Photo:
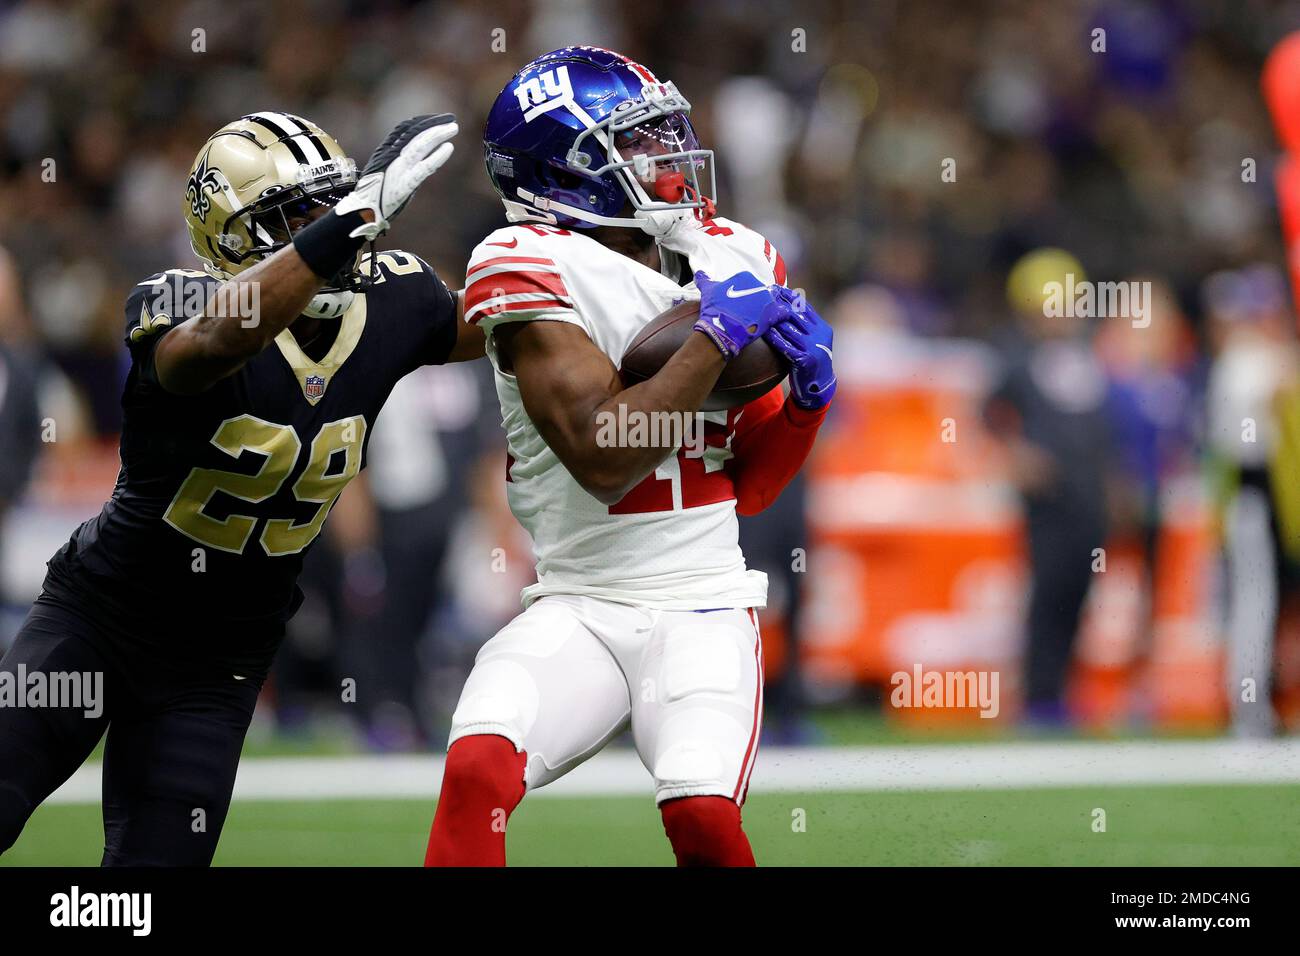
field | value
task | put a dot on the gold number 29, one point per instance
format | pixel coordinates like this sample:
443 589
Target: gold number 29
279 445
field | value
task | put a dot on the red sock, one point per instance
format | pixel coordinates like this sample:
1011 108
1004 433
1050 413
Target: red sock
705 831
482 784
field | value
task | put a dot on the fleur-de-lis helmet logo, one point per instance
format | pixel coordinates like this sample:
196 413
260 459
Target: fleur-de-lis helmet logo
202 182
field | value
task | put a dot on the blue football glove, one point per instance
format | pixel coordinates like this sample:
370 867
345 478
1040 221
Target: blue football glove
804 338
736 310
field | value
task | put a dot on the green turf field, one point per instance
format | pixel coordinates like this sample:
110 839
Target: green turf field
1179 826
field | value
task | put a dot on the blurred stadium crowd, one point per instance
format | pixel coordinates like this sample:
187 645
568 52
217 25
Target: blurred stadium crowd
833 124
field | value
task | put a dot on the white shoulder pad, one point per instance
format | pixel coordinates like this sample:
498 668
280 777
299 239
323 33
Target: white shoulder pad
516 274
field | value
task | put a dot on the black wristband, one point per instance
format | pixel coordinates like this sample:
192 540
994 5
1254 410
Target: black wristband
326 246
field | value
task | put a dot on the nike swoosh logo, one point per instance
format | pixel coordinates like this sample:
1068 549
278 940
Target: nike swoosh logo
733 294
238 677
505 245
825 349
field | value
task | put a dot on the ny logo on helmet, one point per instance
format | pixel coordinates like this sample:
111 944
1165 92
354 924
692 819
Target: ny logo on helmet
202 181
544 92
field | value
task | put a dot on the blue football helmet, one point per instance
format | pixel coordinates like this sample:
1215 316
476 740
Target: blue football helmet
581 133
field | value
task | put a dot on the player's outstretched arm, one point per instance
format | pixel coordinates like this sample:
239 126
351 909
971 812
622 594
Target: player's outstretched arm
566 382
195 355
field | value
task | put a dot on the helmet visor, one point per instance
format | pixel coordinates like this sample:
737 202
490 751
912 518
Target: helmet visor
658 137
276 221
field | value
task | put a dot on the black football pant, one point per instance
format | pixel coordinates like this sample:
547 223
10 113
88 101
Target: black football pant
1061 557
175 732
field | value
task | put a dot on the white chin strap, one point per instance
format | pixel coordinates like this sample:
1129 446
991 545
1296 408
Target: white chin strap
541 210
328 305
652 216
661 225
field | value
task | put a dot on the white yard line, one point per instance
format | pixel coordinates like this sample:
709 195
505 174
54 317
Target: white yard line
619 772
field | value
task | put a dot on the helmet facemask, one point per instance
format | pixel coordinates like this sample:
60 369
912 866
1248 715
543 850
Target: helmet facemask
272 220
652 150
666 166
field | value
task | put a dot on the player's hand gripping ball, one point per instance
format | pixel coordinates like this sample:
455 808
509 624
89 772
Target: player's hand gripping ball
737 310
805 339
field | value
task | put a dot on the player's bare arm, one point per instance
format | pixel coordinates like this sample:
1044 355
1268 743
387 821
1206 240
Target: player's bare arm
469 337
198 354
566 382
568 385
218 343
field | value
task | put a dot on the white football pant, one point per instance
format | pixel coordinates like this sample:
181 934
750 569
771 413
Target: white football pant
571 672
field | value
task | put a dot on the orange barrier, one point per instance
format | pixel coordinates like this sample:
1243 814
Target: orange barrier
917 557
75 473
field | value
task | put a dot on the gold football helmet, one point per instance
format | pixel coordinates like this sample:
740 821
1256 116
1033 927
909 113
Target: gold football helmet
256 181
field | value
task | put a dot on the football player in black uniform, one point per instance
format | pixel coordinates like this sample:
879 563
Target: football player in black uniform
252 389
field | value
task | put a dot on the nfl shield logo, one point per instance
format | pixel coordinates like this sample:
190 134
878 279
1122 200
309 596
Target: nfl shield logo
313 387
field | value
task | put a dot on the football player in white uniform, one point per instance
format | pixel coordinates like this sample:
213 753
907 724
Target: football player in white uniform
643 611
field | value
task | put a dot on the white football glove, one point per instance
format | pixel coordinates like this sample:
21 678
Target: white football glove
413 151
663 223
685 235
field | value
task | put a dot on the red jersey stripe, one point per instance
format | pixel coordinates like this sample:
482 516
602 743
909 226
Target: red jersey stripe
500 260
517 306
512 283
746 767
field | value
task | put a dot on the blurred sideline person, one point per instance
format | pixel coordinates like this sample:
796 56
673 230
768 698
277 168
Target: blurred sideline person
1049 412
252 389
20 417
768 540
1155 403
421 453
1253 430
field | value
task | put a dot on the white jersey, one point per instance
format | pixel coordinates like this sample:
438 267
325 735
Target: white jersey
672 542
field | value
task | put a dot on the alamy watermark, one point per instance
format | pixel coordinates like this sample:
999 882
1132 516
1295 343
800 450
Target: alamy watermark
74 690
133 911
239 299
632 428
1084 299
960 690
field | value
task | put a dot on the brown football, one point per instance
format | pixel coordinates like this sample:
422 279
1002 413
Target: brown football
754 372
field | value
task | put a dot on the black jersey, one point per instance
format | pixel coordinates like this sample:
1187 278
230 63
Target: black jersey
220 494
